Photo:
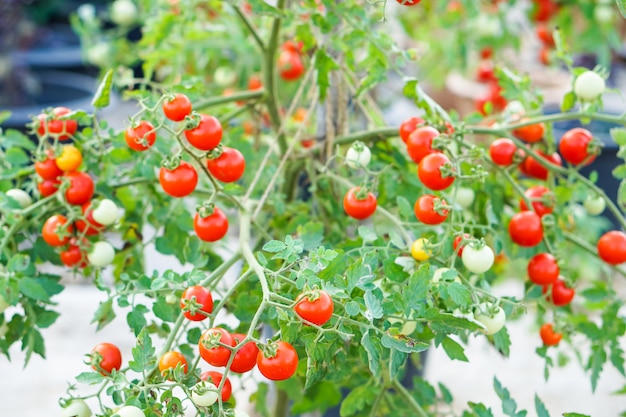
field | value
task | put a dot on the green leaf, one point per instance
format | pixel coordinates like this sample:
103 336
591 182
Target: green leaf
406 210
502 341
16 156
596 364
418 287
46 318
104 314
403 344
569 100
274 246
622 7
367 234
259 398
136 318
358 399
143 352
480 410
445 394
509 407
619 172
575 415
32 289
371 344
4 116
311 234
324 64
16 139
352 308
459 293
374 305
619 135
541 409
18 263
90 378
165 311
396 360
453 349
103 94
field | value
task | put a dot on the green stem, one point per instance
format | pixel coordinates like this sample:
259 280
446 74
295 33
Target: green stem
417 409
378 401
220 270
251 28
243 95
282 403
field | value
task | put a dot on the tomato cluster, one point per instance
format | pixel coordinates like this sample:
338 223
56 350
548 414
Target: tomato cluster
542 12
492 100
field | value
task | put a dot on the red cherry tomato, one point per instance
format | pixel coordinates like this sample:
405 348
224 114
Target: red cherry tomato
420 143
211 228
424 209
485 72
280 366
229 166
502 151
90 227
543 269
533 168
140 137
545 55
106 357
525 228
548 336
48 187
561 295
81 188
536 194
207 135
201 296
408 2
290 66
612 247
574 146
530 133
170 360
61 128
429 172
317 311
216 379
486 52
50 227
545 35
245 358
255 83
48 169
177 108
180 181
456 244
218 355
73 256
359 209
408 126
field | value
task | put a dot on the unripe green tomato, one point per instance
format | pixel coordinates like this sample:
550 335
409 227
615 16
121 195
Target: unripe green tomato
589 85
20 196
492 322
105 213
101 254
130 411
477 260
464 197
594 205
603 14
358 155
224 76
204 394
123 12
172 299
99 54
76 408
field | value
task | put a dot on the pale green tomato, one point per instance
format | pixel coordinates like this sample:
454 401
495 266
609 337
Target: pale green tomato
491 317
204 394
86 12
101 254
76 408
3 304
603 14
130 411
99 54
464 197
20 196
239 413
589 86
123 12
105 213
438 274
171 299
477 260
358 155
224 76
594 205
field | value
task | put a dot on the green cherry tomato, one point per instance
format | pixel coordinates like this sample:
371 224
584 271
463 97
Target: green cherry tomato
21 196
491 317
477 259
130 411
101 254
204 394
76 408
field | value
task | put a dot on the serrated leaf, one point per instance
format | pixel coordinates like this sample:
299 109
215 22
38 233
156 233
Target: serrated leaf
459 293
352 308
371 344
619 172
104 314
396 360
374 305
453 349
596 364
569 100
445 394
143 352
418 286
136 318
502 341
480 410
509 407
90 378
367 234
324 64
357 399
540 408
32 289
403 343
274 246
406 210
18 263
103 95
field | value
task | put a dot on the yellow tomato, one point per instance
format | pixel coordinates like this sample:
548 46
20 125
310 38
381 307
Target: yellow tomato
70 159
418 252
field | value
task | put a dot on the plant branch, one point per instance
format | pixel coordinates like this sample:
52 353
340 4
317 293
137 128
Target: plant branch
251 28
242 95
418 410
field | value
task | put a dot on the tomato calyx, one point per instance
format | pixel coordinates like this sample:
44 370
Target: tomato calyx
269 349
192 120
205 209
441 207
172 162
192 306
213 340
215 152
362 192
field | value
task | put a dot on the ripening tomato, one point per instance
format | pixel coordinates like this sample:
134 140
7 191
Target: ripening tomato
537 195
316 308
212 227
561 294
408 126
424 209
280 366
48 187
530 133
486 52
574 146
612 247
420 143
525 228
48 168
548 336
229 166
429 172
61 128
217 355
73 256
359 206
105 358
494 97
533 168
140 137
171 360
70 159
543 269
502 151
245 358
177 108
180 181
81 188
290 66
216 379
201 296
207 135
55 223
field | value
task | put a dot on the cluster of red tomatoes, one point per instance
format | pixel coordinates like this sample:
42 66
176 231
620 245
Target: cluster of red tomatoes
543 11
493 97
69 234
179 178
